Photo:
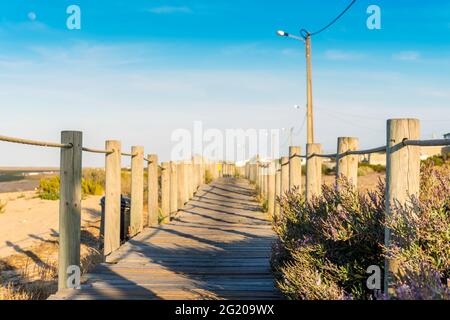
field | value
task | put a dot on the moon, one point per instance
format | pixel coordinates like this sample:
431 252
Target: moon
32 16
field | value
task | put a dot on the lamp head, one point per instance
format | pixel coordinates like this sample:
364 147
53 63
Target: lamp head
282 33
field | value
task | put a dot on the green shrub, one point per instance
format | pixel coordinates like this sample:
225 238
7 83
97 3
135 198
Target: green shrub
92 183
265 205
365 168
49 188
3 206
437 161
126 182
208 177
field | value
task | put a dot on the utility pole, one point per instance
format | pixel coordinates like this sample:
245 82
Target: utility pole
310 119
291 133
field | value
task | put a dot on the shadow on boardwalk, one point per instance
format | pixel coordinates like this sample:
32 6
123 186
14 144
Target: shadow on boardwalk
217 248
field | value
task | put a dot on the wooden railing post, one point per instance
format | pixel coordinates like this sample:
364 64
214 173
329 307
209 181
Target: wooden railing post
277 190
112 197
295 169
284 175
165 190
347 166
264 181
153 190
69 205
137 191
181 185
313 171
186 182
271 190
173 190
402 174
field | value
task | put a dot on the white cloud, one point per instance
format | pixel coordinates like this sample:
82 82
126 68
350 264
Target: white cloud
343 55
171 10
407 56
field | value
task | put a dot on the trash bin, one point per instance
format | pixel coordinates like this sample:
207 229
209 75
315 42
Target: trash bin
125 206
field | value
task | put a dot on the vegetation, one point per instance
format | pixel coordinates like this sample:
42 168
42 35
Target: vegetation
3 206
126 182
49 188
92 183
365 168
208 177
325 246
437 161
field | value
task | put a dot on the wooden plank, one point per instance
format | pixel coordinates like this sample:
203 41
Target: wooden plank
211 251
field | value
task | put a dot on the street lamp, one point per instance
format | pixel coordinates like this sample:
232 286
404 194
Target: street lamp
306 39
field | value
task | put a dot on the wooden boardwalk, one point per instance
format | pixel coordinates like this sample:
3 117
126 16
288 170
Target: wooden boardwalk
218 247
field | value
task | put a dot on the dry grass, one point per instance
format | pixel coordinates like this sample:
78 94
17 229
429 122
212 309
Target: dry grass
32 274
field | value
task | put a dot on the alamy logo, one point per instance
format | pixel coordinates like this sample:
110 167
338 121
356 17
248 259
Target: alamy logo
74 277
74 20
374 280
374 20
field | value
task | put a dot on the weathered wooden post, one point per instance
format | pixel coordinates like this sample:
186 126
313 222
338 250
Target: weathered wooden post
173 189
402 175
347 165
295 169
271 190
190 178
137 191
165 190
196 173
112 197
284 175
153 190
265 180
69 206
181 185
277 191
313 171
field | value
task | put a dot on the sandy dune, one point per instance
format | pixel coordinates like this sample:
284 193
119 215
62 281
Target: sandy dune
28 220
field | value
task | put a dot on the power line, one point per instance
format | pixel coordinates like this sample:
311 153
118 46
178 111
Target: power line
305 32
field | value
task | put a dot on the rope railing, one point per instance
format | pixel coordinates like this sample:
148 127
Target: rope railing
35 142
97 151
348 153
427 143
179 184
125 154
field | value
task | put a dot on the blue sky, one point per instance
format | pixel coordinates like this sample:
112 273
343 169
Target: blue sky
139 69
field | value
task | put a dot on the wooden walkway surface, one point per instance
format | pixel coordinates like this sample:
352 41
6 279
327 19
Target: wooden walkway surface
218 247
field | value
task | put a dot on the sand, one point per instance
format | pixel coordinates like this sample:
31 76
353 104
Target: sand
29 221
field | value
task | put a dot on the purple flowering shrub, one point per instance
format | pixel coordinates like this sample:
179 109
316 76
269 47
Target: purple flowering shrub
420 242
324 247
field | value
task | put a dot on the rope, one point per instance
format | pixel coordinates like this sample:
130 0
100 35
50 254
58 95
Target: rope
35 143
427 143
96 151
129 154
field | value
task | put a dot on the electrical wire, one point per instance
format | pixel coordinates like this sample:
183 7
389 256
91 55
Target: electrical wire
305 33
